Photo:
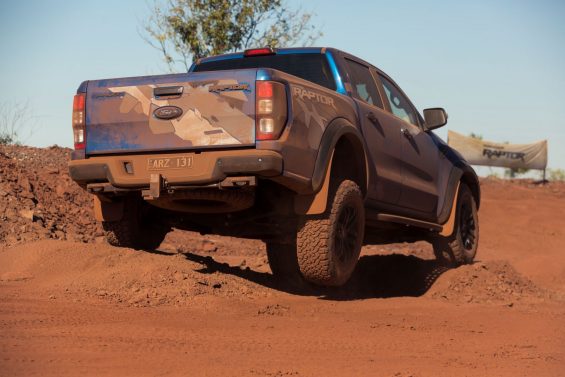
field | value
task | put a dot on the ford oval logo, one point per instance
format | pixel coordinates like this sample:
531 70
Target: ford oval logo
167 112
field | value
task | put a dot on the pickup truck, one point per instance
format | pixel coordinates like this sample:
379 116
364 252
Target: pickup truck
312 150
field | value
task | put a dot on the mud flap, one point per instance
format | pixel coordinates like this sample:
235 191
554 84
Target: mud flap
447 229
108 211
314 204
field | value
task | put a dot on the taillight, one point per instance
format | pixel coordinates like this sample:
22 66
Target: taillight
270 109
79 129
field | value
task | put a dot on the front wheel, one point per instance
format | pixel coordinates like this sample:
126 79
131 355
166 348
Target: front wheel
461 246
328 245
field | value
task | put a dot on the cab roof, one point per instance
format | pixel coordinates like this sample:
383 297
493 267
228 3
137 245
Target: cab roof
279 51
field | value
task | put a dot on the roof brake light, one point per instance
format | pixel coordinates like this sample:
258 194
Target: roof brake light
259 51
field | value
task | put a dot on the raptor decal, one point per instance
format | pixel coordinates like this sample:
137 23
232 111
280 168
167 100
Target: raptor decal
311 95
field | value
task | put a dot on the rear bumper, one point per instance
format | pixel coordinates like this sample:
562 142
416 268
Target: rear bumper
134 171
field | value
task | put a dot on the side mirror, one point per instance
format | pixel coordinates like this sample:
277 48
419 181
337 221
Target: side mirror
435 118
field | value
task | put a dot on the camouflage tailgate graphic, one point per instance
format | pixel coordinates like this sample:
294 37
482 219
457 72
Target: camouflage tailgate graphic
211 112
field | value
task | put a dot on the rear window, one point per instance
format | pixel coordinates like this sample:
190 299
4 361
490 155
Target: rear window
311 67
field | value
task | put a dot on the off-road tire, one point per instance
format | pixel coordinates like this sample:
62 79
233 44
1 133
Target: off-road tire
283 261
461 246
140 227
328 245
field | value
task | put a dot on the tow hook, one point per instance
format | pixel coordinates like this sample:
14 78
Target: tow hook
156 185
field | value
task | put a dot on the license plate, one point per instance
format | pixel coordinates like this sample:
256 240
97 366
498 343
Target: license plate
182 162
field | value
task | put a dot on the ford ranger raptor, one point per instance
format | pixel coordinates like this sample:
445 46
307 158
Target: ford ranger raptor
312 150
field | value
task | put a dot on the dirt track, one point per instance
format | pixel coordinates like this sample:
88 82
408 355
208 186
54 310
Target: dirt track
208 306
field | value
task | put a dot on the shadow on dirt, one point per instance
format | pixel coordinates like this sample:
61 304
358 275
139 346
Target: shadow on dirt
376 276
396 275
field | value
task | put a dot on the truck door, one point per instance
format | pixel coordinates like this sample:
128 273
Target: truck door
420 155
381 135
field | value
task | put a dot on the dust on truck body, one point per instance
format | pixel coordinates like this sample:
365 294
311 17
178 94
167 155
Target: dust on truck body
312 150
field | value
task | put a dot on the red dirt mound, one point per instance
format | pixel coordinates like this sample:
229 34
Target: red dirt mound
487 283
80 272
38 200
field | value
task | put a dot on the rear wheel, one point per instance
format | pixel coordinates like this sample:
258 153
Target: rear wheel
461 246
139 228
328 245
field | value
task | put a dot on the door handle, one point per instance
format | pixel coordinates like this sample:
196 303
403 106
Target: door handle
406 133
168 91
372 117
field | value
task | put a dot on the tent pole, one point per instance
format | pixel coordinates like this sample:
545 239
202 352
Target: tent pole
544 175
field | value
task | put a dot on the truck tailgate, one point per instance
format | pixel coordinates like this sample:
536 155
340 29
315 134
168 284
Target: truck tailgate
171 112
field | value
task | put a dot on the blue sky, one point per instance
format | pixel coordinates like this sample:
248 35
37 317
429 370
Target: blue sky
498 67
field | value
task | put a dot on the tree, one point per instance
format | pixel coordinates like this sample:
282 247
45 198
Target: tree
476 136
515 172
184 30
16 122
556 174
